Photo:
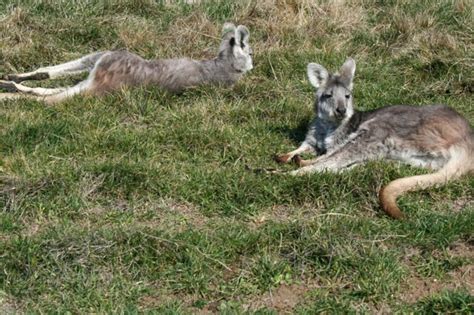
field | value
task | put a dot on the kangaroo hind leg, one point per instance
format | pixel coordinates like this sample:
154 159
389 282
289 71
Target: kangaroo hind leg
80 88
80 65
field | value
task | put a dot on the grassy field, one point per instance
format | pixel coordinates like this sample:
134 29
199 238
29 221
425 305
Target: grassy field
142 201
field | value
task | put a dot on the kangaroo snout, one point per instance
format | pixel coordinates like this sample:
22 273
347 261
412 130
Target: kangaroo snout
341 110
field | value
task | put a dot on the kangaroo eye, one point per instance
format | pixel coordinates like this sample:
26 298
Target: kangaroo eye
348 96
326 95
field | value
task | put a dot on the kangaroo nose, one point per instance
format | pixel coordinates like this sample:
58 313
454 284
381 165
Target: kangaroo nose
341 110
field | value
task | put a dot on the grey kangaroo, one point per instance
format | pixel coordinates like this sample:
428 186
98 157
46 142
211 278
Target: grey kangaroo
112 70
434 137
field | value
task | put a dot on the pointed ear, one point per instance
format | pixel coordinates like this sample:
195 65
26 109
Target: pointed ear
347 72
227 27
317 75
242 34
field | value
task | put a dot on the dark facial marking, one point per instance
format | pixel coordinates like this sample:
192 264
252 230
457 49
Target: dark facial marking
326 96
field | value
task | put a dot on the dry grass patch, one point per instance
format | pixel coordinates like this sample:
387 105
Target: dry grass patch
193 36
315 211
421 36
137 34
335 21
165 214
14 191
427 45
17 30
187 36
286 214
176 214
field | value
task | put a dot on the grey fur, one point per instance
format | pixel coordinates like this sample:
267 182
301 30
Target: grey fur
112 70
434 137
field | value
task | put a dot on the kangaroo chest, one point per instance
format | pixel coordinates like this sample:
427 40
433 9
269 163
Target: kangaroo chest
329 135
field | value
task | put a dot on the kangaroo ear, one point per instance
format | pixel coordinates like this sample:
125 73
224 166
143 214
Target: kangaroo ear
242 34
347 72
317 75
228 33
228 27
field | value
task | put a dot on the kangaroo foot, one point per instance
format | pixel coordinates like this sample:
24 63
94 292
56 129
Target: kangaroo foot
9 86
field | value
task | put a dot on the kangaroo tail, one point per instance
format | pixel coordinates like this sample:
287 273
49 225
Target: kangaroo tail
460 163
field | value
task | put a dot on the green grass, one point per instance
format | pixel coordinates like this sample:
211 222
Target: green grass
142 200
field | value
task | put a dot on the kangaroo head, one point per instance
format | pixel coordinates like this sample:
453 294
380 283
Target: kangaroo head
235 47
334 91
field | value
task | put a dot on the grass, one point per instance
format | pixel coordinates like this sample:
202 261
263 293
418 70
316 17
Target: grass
141 201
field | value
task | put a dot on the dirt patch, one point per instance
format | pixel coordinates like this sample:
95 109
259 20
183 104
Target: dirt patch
462 278
418 288
156 300
462 249
282 299
33 228
186 301
461 204
8 305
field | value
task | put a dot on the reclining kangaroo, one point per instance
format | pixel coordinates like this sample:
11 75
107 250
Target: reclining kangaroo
112 70
432 136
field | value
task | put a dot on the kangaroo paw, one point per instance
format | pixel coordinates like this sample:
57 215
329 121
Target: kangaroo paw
18 79
9 86
282 158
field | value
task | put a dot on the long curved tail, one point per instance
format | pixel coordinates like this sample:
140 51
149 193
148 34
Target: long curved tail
460 163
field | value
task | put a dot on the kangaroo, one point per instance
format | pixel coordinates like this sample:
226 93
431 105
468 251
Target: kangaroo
433 136
112 70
